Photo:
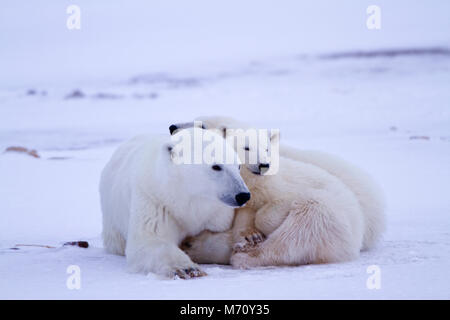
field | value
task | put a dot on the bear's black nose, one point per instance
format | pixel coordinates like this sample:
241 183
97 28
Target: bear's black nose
242 198
263 166
172 128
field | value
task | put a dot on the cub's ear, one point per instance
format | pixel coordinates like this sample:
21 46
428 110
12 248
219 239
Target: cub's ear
274 135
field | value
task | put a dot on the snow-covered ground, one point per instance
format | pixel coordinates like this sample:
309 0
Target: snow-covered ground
388 114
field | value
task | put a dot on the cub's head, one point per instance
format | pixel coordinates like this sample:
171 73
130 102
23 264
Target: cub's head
258 149
204 166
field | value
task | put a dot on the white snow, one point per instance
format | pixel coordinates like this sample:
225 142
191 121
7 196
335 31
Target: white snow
144 66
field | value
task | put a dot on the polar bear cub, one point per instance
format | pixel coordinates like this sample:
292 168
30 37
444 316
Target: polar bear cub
151 201
318 208
366 190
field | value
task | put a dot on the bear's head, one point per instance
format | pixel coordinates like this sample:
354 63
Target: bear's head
204 165
258 149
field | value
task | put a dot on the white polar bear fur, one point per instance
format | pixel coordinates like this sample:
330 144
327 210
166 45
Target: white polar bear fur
308 216
367 191
149 205
333 210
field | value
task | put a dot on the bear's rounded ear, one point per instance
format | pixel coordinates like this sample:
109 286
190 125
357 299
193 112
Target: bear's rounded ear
169 149
274 135
198 124
173 153
173 128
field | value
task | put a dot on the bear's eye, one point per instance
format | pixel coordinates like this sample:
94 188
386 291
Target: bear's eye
216 167
247 149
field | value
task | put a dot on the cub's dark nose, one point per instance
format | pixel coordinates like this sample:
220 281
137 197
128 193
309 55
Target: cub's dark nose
242 198
263 166
172 128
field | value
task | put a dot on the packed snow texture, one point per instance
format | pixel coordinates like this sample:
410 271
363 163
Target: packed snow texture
379 98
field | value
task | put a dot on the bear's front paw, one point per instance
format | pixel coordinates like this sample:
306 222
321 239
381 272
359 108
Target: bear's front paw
245 260
248 240
189 273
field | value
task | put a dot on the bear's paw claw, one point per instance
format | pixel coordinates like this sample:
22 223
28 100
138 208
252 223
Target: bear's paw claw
189 273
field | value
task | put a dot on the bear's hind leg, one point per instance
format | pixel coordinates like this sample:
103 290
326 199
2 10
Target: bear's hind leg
311 233
270 216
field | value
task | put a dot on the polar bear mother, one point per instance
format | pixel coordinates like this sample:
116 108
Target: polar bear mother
150 203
